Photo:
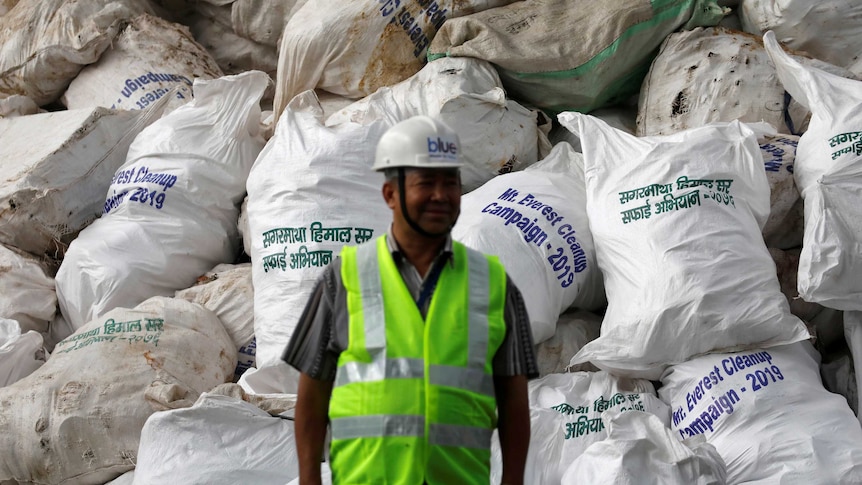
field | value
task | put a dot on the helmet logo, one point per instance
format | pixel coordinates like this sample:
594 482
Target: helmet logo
440 148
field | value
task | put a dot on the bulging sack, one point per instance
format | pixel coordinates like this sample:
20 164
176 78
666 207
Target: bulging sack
27 290
146 61
716 74
531 44
54 188
830 30
228 434
498 135
21 352
310 192
641 450
566 418
171 210
768 415
677 225
535 221
45 43
828 172
354 47
78 418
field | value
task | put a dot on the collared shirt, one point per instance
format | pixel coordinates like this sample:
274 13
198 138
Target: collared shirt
322 331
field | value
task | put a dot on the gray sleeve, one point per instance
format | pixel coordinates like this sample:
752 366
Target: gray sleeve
310 350
516 355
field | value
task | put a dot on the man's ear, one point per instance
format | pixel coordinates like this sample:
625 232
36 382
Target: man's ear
389 194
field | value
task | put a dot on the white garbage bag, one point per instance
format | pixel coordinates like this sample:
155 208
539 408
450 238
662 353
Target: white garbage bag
768 415
44 43
828 172
262 21
497 135
535 221
830 30
354 47
78 418
221 440
227 291
55 187
641 450
310 192
26 290
566 418
146 60
677 225
21 353
171 211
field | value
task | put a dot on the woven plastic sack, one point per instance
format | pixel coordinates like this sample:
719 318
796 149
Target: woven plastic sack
830 30
226 290
828 172
768 415
55 187
26 290
354 47
170 213
535 221
641 450
78 418
531 43
715 74
574 329
677 225
310 192
146 60
566 418
45 43
498 135
21 353
234 442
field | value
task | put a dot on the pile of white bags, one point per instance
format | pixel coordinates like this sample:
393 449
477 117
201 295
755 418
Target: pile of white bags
310 192
830 30
828 172
535 221
146 60
171 211
678 239
531 43
78 418
641 450
44 43
21 353
55 187
234 54
234 442
26 290
715 74
354 47
566 418
227 291
768 415
498 135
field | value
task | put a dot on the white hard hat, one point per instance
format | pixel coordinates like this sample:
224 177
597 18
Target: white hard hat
418 142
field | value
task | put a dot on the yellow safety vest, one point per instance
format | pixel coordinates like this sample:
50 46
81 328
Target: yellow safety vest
413 400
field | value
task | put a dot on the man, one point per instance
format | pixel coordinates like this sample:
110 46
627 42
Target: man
414 347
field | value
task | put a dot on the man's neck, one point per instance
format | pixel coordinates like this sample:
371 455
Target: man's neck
419 250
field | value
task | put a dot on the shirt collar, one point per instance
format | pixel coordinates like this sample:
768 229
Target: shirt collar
391 244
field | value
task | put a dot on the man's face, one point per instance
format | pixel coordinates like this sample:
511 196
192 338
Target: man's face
432 198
